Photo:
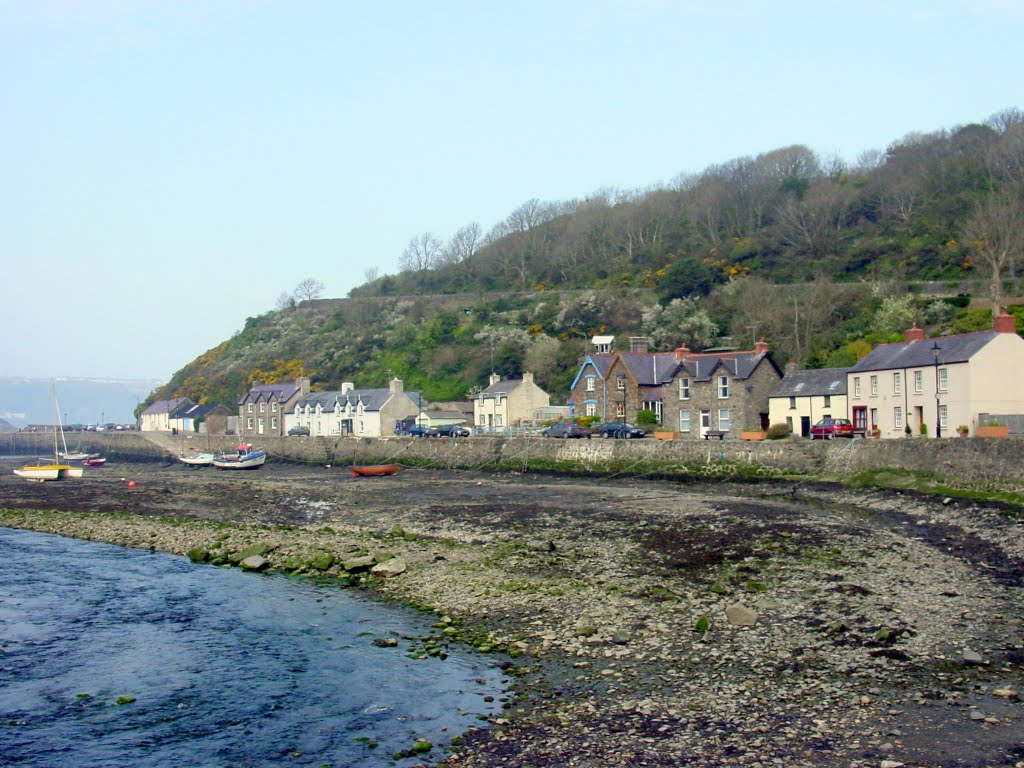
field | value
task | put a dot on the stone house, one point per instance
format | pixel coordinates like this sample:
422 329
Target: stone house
262 410
689 393
805 397
355 412
207 419
157 417
950 381
589 394
508 403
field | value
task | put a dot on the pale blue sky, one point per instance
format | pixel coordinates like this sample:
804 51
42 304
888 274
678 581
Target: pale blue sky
169 167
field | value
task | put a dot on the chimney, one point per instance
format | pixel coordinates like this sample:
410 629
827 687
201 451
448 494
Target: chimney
761 347
346 387
303 383
638 344
790 368
682 352
256 384
1004 322
527 378
494 379
913 334
396 386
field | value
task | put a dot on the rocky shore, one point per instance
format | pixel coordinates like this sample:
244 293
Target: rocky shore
647 623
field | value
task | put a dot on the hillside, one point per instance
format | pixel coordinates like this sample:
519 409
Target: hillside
821 258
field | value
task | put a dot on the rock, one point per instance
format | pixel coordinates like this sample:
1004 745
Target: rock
741 616
703 624
620 637
385 642
357 564
198 555
389 568
255 563
322 561
397 531
977 714
891 764
1006 693
971 657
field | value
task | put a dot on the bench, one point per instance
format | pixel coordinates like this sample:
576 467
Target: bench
715 433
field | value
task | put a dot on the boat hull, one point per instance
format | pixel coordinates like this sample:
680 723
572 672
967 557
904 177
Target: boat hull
375 470
253 460
199 460
94 461
42 472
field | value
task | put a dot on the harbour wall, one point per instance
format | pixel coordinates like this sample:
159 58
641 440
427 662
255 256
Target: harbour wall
978 460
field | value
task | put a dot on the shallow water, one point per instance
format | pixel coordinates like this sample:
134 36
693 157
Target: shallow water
226 668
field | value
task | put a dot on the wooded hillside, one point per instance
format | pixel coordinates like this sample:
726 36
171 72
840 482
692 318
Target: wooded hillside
820 257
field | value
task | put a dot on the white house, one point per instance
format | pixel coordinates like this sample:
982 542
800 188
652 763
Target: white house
355 412
934 386
508 403
805 397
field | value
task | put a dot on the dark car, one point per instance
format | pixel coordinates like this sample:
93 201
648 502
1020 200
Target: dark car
452 430
826 429
620 429
298 431
566 429
418 430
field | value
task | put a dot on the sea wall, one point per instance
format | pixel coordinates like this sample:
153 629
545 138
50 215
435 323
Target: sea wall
974 459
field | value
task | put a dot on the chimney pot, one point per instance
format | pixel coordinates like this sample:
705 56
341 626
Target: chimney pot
913 333
761 347
681 352
1004 322
494 379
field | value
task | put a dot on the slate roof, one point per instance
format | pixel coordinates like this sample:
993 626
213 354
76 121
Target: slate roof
503 387
601 361
283 391
190 411
372 399
918 354
812 382
654 369
166 406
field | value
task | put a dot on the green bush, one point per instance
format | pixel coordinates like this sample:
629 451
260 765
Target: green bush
646 419
778 432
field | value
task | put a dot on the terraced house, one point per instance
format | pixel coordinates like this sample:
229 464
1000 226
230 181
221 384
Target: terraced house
691 393
355 412
262 410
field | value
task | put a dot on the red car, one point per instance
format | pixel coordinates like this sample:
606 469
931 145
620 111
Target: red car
826 429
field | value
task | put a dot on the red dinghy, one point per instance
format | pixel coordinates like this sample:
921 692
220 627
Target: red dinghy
95 460
375 470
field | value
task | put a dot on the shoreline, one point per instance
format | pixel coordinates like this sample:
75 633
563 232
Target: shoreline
617 602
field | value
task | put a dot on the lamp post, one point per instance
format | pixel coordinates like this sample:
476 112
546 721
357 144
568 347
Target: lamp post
936 349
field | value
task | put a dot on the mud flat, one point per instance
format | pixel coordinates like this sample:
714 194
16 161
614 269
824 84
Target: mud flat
648 623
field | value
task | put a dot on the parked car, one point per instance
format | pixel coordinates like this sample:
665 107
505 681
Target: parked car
418 430
452 430
566 429
298 431
826 429
620 429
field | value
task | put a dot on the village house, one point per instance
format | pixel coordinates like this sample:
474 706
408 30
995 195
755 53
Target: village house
261 412
157 417
508 403
923 386
691 393
207 419
803 398
589 394
355 412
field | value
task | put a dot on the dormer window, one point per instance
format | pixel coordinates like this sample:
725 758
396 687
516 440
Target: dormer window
249 409
590 384
620 382
723 387
684 389
273 406
263 407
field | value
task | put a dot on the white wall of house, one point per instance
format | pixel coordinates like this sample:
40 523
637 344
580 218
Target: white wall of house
790 410
995 378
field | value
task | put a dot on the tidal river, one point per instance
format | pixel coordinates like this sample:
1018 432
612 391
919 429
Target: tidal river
112 656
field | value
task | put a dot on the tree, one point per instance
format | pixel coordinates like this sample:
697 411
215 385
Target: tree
463 245
308 289
995 234
421 253
681 321
284 301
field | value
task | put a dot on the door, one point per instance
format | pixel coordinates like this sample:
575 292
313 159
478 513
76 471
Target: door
860 419
259 426
705 421
805 426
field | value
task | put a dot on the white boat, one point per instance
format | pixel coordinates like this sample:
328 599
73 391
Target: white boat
57 470
246 458
198 460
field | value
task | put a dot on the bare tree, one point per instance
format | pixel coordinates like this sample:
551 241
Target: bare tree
463 245
371 273
284 301
310 288
421 253
995 234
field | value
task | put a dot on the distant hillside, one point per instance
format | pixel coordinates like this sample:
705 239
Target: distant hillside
82 401
821 258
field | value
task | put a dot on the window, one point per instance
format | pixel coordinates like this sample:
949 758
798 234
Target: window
897 384
684 389
248 422
497 419
590 383
792 403
273 422
828 401
483 420
874 386
653 405
684 421
273 407
789 424
723 387
856 386
591 409
620 410
249 409
944 418
723 419
919 381
943 379
263 407
897 417
620 382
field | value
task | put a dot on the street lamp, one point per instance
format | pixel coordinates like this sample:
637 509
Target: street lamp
936 349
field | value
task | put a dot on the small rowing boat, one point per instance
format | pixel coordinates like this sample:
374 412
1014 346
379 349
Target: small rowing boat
93 460
198 460
375 470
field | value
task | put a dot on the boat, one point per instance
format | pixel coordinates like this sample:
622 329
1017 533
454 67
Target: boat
66 455
56 470
198 460
246 458
374 470
93 460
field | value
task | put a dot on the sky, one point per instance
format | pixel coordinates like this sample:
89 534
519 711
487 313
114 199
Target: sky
168 169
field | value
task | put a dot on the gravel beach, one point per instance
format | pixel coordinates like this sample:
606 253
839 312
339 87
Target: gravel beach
648 623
